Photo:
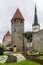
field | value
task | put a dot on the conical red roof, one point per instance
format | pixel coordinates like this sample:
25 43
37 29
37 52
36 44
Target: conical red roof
8 34
17 15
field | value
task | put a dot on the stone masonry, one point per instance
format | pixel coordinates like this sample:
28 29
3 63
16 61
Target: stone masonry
38 40
17 28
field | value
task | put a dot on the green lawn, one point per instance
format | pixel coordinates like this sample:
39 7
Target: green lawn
40 57
24 62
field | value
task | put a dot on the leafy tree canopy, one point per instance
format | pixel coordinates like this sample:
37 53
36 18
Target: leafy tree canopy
28 34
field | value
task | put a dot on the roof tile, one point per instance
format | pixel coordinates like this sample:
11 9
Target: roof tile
18 15
8 34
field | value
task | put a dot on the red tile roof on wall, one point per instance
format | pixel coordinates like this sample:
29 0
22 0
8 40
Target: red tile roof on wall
7 34
17 15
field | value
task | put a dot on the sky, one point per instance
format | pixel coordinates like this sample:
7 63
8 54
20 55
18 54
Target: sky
27 7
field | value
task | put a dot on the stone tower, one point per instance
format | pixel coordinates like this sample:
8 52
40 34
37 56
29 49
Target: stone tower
35 26
17 28
36 33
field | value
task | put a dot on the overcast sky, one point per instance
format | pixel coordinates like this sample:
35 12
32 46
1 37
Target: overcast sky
8 8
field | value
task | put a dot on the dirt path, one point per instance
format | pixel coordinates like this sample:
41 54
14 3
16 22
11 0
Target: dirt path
32 58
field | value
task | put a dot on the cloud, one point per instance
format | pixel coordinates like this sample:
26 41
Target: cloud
8 8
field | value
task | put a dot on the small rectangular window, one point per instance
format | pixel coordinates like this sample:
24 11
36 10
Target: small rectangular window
35 28
21 21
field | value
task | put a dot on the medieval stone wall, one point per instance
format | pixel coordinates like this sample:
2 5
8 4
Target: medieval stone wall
38 40
17 34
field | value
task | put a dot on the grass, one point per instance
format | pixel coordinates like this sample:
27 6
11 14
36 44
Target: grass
40 57
24 62
41 52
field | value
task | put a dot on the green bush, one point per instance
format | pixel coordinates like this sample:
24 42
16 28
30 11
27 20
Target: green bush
1 51
34 51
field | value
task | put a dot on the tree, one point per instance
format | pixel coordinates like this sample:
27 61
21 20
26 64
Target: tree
28 34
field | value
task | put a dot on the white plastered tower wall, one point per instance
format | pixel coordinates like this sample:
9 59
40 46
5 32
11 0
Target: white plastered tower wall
35 28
